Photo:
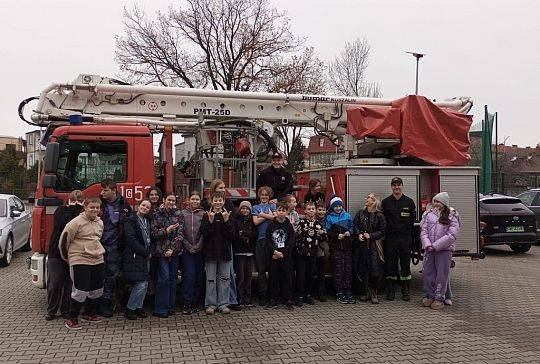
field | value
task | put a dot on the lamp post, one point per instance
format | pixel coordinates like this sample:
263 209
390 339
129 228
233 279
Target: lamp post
417 56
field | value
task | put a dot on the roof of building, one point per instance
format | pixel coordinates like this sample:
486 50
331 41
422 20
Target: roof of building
315 147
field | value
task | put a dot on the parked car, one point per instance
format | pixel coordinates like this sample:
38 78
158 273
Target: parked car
506 220
15 227
531 199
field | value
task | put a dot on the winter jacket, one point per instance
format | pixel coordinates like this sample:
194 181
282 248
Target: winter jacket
80 241
433 233
245 235
339 224
113 225
191 233
137 250
217 237
307 239
161 220
280 180
62 216
280 237
373 223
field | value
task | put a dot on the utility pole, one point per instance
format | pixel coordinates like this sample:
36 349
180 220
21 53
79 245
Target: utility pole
417 56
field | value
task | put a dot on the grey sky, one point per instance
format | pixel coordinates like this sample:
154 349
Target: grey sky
484 49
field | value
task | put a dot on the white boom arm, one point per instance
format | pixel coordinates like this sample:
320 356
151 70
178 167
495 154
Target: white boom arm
103 100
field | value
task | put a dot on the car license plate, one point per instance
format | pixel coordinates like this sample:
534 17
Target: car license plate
515 229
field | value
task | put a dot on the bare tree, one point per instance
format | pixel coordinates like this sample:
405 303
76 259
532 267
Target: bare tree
347 73
222 44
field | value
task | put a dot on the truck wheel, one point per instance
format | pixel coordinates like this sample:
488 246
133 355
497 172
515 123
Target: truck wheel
6 260
520 248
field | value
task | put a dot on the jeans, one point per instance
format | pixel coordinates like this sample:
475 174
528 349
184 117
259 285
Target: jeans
167 280
58 286
218 285
193 276
136 297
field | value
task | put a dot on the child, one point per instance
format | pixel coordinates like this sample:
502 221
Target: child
309 234
280 243
244 250
292 215
323 251
262 214
80 246
339 228
218 232
192 258
369 226
439 230
137 230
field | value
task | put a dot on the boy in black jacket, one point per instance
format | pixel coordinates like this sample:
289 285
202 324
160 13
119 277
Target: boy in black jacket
280 242
309 235
244 252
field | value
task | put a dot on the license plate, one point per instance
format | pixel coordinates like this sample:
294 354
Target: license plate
515 229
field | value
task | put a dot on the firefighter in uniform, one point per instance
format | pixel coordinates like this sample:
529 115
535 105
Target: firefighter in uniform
400 213
277 178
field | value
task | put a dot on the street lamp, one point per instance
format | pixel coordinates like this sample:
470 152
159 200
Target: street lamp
417 56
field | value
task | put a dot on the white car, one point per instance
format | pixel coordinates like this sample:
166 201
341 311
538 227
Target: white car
15 227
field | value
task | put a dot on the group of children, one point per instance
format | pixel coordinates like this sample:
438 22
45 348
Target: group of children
225 245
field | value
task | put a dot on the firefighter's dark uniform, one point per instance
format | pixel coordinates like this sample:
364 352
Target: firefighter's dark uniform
400 217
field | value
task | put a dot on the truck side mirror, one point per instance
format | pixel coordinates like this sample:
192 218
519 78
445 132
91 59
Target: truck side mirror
50 160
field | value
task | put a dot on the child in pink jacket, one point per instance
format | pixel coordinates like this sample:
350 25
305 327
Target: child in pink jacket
439 230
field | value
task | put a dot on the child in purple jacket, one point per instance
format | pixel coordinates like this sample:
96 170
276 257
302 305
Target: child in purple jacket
439 229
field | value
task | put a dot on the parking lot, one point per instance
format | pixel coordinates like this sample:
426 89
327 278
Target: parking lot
495 319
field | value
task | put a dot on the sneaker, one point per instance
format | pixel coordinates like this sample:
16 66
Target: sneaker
448 302
187 310
247 302
91 318
309 300
299 301
50 317
289 305
342 299
210 310
350 298
225 310
374 298
73 324
130 314
141 313
437 305
236 307
272 304
106 309
426 302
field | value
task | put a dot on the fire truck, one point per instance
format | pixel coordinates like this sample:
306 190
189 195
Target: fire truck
98 127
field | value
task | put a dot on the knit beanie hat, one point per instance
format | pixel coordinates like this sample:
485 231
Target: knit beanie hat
246 204
335 201
443 198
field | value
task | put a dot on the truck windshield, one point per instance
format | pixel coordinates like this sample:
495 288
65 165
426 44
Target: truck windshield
3 208
82 163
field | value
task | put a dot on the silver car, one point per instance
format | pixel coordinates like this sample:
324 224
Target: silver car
15 227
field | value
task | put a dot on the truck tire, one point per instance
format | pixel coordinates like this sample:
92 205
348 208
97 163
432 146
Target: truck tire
520 248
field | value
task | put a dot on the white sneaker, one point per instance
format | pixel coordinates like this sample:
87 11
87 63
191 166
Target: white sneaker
448 302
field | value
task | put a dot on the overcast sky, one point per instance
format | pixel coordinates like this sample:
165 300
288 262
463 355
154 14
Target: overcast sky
484 49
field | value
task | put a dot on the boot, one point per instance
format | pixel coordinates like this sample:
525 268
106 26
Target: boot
374 297
405 290
106 308
130 314
390 290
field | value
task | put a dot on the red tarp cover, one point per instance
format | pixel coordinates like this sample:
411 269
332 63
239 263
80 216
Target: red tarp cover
436 135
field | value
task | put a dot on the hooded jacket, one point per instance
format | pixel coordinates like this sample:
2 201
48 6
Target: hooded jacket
339 224
80 241
192 236
433 233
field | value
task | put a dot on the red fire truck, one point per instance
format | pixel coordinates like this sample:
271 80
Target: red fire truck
98 127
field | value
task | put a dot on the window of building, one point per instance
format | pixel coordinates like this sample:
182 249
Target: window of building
321 142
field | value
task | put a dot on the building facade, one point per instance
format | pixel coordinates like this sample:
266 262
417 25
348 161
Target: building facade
322 152
34 150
